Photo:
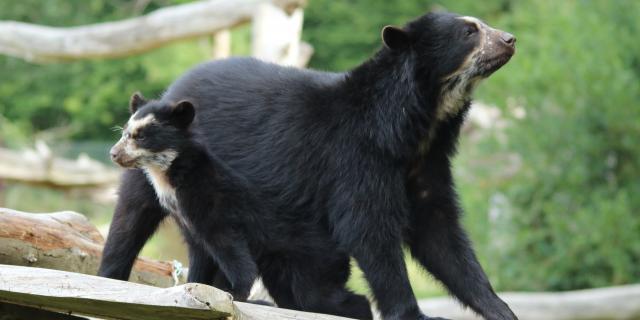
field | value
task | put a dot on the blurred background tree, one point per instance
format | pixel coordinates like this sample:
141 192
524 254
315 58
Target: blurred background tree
565 217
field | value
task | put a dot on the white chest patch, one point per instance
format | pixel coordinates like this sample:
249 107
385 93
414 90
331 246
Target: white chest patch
164 190
166 194
452 101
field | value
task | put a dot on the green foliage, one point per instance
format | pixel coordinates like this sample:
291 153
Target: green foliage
86 97
568 218
573 204
345 33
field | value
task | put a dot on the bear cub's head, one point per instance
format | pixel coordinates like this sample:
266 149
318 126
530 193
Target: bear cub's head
154 133
448 46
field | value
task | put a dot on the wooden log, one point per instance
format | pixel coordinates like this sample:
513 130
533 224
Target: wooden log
74 293
105 298
613 303
67 241
126 37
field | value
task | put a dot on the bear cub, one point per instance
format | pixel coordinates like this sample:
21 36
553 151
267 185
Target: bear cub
186 176
227 225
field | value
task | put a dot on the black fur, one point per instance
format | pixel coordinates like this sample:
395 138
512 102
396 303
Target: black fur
356 163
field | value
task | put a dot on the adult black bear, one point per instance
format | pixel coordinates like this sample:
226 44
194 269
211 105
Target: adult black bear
362 155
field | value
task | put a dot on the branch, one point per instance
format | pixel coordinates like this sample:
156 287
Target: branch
115 39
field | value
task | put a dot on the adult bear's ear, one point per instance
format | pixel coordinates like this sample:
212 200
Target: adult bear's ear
182 114
395 38
136 101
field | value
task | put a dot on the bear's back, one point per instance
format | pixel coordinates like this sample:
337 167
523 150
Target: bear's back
246 82
247 109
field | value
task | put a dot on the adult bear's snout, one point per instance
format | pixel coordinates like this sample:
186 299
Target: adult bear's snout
508 38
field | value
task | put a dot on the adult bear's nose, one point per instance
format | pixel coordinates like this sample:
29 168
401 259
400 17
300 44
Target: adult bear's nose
508 38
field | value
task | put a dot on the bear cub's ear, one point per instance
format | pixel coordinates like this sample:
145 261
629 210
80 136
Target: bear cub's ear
136 101
395 38
182 114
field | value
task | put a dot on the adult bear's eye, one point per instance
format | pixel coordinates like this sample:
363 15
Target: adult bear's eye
470 29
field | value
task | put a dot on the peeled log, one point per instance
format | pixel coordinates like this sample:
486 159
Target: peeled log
39 167
126 37
66 241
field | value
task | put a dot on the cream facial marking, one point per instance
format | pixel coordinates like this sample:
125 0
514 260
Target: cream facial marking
473 20
160 160
130 131
458 85
135 124
141 157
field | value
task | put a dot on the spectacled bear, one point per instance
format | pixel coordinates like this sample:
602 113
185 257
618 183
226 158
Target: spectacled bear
221 216
356 164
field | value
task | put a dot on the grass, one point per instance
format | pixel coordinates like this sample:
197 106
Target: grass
424 286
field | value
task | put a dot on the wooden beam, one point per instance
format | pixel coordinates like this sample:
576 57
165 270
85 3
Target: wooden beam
121 38
66 241
74 293
105 298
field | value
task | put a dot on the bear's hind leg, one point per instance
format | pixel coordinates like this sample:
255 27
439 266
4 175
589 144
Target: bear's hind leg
315 284
329 294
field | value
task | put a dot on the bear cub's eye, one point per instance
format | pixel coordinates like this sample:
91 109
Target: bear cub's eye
470 29
139 136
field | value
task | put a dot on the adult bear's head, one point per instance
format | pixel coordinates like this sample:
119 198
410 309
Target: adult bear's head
450 52
447 45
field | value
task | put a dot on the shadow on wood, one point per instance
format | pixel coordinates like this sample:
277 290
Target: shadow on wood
16 312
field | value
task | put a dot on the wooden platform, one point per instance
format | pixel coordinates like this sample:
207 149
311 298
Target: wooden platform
80 294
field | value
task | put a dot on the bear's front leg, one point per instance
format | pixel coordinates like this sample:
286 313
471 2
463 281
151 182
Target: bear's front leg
439 243
202 267
232 255
137 216
367 220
